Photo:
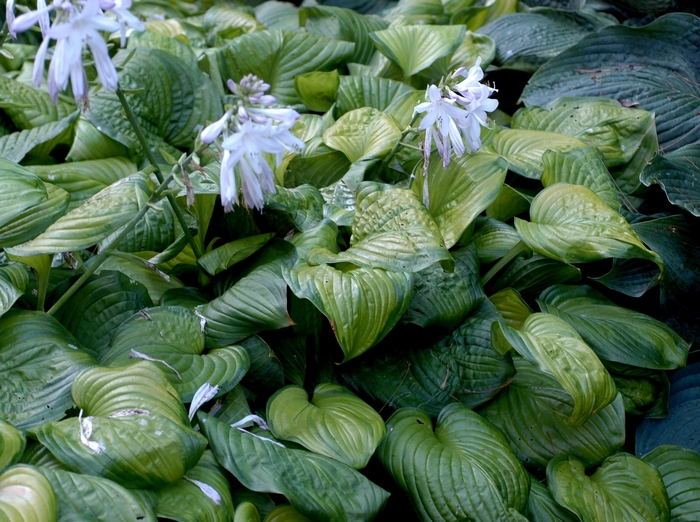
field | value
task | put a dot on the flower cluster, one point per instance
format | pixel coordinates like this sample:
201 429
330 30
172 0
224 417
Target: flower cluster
251 129
76 24
456 109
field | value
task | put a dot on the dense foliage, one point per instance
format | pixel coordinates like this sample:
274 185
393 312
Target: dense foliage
372 329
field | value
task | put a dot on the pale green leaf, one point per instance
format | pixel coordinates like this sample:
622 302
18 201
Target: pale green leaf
12 444
41 109
26 496
226 256
13 283
317 90
21 190
356 92
363 134
511 306
42 139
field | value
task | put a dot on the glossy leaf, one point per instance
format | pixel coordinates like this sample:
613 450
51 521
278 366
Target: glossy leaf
12 444
677 173
543 508
13 282
142 271
223 257
531 276
21 189
356 92
26 496
511 306
680 473
493 239
15 146
363 134
317 90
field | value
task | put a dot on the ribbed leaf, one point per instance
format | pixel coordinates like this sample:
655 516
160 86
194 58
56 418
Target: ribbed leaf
509 203
571 224
81 497
543 508
304 205
362 304
678 174
37 108
141 271
462 191
12 443
15 146
21 190
531 276
13 282
463 467
226 256
39 360
356 92
26 496
615 333
285 513
335 423
557 349
318 487
680 473
622 488
533 413
658 70
416 47
174 336
363 134
511 306
247 512
493 239
391 230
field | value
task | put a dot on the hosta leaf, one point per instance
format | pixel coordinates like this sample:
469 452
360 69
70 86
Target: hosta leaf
226 256
644 392
543 508
461 366
343 24
335 422
523 149
285 513
511 306
615 333
617 131
317 165
571 224
680 473
15 146
84 179
13 282
223 20
464 467
362 305
26 496
415 47
174 336
247 512
141 271
81 497
135 430
557 349
531 276
279 56
317 90
533 414
39 360
363 134
622 488
658 70
21 190
633 277
12 444
445 298
257 302
165 81
40 109
278 15
91 144
356 92
581 167
104 302
493 239
304 205
202 494
678 174
462 191
509 203
94 220
391 230
318 487
525 41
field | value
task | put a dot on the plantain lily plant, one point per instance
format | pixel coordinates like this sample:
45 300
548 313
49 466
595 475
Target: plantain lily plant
274 262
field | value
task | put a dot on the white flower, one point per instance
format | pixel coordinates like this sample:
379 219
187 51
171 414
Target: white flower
445 116
476 118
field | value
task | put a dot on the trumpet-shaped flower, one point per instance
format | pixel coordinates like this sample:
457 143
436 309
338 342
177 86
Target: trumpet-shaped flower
445 117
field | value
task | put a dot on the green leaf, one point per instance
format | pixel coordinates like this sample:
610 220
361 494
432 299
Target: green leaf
678 173
280 56
658 72
459 193
84 179
525 41
363 134
104 302
140 270
445 298
533 414
511 306
523 149
278 15
343 24
39 110
81 496
219 259
571 224
335 423
285 513
39 360
543 508
615 333
317 90
464 466
94 220
304 204
15 146
26 496
318 165
12 444
21 191
382 94
461 366
622 488
91 144
221 20
362 304
134 431
391 230
173 337
247 512
509 203
169 43
583 167
680 473
189 499
255 303
317 486
13 283
493 239
415 47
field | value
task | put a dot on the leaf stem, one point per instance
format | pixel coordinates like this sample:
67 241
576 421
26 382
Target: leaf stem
100 258
404 133
514 252
152 160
